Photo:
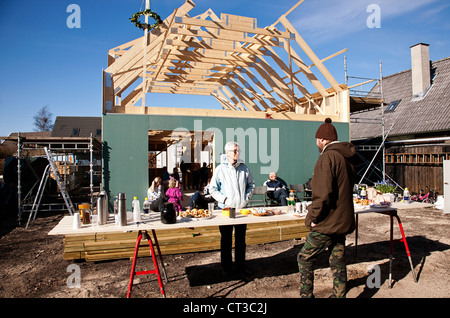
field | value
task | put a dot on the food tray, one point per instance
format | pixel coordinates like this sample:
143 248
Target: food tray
260 212
196 214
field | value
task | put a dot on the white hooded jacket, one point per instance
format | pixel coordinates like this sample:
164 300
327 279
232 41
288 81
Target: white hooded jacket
233 183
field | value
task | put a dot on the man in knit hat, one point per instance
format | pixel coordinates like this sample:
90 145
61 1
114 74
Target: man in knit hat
331 214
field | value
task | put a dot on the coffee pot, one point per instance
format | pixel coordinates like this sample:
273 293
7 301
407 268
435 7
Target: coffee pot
102 208
168 213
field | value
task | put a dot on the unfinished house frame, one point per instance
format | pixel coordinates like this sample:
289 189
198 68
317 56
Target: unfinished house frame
272 94
251 71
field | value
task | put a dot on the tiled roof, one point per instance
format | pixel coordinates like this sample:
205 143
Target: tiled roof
64 126
429 114
37 134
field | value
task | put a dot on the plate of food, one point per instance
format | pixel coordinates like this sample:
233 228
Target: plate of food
276 211
382 205
196 214
357 201
260 212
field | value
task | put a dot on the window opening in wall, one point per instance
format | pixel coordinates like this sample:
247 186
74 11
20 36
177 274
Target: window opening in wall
182 155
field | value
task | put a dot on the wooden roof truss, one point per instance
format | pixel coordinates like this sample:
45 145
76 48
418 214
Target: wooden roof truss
246 68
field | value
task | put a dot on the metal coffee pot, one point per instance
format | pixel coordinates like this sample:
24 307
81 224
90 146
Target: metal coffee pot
102 208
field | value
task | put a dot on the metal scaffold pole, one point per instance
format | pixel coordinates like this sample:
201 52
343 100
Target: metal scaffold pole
19 184
382 122
91 170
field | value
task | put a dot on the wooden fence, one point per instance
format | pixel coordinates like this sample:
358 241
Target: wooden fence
417 167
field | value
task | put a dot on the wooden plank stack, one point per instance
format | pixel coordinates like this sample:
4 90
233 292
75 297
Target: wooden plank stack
109 246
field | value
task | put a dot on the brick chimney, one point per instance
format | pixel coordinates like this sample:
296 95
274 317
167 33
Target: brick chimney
420 70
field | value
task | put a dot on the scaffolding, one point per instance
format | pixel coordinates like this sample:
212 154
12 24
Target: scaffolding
58 146
358 91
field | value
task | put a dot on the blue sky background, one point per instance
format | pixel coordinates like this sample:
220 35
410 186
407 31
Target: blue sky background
43 62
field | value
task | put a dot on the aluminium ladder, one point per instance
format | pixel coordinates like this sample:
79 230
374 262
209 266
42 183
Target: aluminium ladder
51 167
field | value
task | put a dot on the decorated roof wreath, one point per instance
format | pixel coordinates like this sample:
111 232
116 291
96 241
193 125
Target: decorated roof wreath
135 19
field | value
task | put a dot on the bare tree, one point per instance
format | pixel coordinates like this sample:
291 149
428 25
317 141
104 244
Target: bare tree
43 119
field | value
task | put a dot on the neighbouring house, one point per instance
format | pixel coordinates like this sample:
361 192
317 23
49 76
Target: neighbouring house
77 126
75 143
416 113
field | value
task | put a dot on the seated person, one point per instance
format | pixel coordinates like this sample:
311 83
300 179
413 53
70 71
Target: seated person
276 188
174 194
156 194
199 200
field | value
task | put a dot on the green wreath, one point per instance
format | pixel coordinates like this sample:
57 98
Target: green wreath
135 19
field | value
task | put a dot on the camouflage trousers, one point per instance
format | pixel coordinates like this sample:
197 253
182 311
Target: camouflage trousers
315 244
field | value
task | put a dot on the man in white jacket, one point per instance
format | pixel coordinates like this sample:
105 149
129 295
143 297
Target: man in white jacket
231 186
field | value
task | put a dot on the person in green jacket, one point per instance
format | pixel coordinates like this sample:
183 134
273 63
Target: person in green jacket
331 214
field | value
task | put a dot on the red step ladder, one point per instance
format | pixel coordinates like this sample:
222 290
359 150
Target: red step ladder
144 234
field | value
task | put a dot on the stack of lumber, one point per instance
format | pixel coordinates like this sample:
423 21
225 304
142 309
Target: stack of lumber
109 246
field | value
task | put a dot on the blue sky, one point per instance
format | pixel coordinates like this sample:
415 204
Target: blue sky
43 62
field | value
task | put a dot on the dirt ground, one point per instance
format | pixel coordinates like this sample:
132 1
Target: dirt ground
32 265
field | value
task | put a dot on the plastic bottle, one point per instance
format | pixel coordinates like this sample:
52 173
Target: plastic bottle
146 206
116 209
363 193
406 197
116 202
136 210
291 202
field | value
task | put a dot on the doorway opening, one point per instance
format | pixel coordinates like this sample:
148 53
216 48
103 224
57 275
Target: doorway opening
187 156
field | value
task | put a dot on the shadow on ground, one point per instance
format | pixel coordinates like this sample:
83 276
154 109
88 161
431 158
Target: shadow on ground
285 263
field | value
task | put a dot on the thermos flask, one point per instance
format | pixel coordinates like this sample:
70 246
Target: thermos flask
102 208
122 207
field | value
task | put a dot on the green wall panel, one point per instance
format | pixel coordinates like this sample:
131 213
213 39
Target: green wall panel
284 146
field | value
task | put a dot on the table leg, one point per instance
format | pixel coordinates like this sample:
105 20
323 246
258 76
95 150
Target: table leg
160 255
155 263
392 214
406 248
391 248
356 235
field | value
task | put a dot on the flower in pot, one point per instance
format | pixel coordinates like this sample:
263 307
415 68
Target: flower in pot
387 189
